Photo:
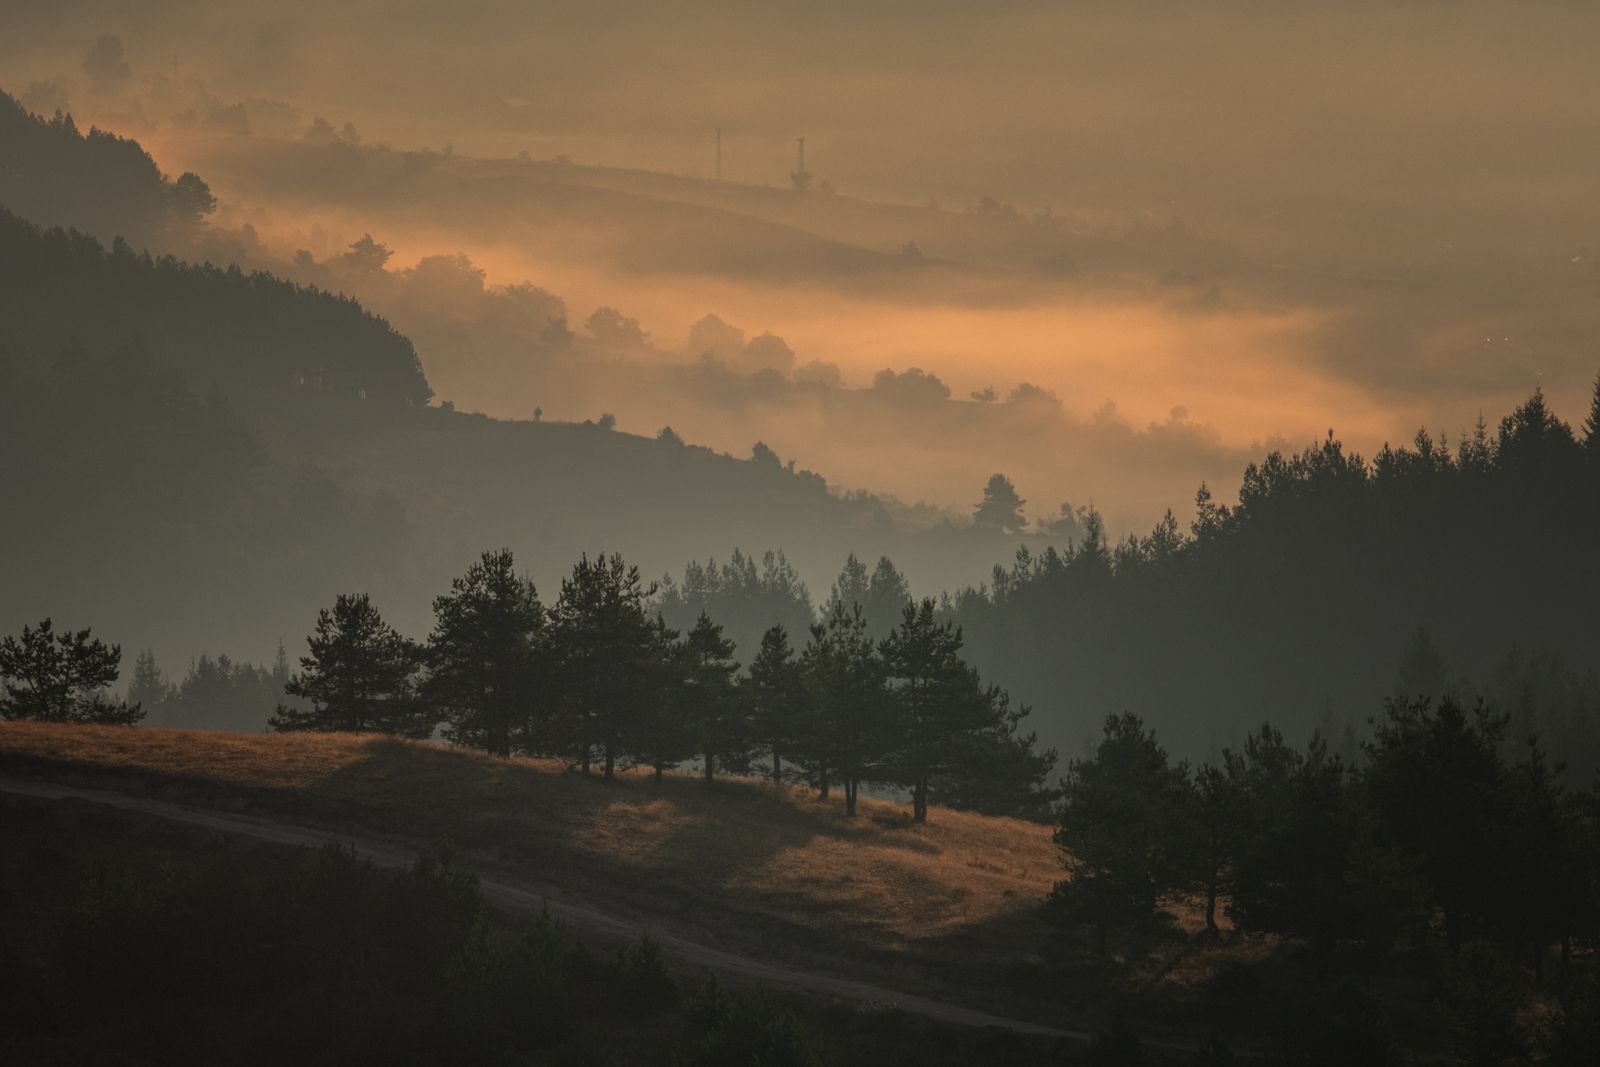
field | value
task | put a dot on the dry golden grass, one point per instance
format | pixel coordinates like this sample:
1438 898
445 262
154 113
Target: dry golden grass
740 860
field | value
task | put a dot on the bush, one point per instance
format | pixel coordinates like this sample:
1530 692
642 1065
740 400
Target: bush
739 1029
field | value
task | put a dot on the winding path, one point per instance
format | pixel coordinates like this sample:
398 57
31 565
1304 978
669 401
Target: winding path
532 898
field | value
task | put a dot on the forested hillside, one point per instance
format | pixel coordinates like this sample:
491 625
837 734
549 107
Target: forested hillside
219 327
97 181
207 455
1336 581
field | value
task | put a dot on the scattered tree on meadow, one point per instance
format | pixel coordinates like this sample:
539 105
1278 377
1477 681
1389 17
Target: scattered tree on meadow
61 677
486 663
359 676
604 647
941 708
849 727
663 734
775 690
1002 770
719 718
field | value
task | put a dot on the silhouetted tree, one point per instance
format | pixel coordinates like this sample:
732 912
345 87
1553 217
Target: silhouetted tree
1437 783
358 676
1591 425
191 200
1218 816
1121 832
1001 507
487 659
720 720
775 691
849 725
605 651
850 590
61 677
149 687
1001 769
941 708
888 593
663 734
746 596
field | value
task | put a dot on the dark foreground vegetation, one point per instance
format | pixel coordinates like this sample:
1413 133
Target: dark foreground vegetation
1435 895
133 942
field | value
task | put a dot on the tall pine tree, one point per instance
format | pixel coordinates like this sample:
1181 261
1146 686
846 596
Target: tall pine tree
358 676
486 658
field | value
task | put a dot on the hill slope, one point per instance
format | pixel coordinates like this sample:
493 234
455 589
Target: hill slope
776 875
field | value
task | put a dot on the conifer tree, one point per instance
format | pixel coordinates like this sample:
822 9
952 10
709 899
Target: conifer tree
663 734
1591 425
719 718
61 677
850 589
149 687
776 693
1001 507
486 658
605 647
358 676
1120 832
849 728
888 593
941 708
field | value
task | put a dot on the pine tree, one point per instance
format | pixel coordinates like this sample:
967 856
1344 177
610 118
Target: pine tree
849 589
942 709
663 734
1218 817
149 688
1121 832
849 728
1591 425
486 658
357 677
605 650
776 694
1001 770
719 719
888 593
1001 507
61 677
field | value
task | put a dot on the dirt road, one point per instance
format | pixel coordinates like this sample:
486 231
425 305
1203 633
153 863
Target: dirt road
530 898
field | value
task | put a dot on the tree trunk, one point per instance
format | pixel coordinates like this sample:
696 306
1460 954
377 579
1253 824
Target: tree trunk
919 801
850 797
777 768
1211 908
711 766
658 772
822 780
611 764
